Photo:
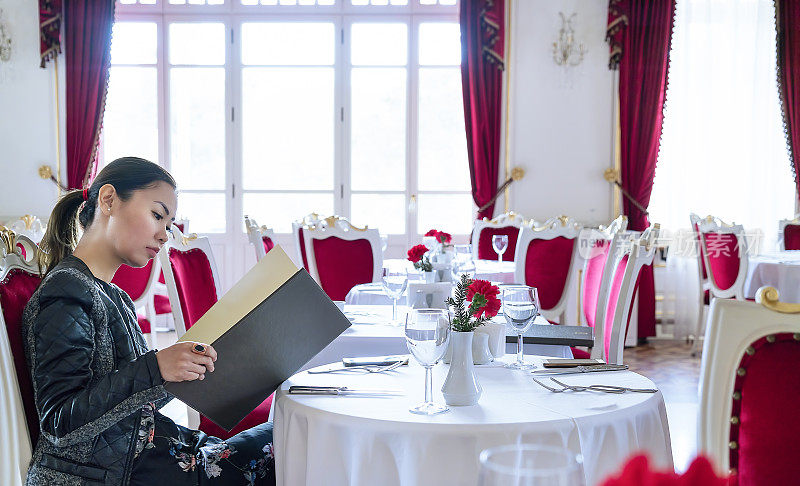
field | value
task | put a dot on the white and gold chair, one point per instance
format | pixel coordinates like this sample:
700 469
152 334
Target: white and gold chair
789 234
483 230
298 231
544 257
750 389
261 237
724 250
30 226
341 256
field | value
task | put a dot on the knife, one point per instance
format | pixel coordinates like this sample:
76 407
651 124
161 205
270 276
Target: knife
580 369
340 390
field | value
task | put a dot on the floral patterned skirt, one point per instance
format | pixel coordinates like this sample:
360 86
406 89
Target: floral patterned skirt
167 453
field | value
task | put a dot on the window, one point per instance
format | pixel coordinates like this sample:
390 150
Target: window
723 150
277 108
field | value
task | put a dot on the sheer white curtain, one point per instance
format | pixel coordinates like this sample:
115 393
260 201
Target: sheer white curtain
723 151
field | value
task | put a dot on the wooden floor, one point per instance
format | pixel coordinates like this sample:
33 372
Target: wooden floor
676 373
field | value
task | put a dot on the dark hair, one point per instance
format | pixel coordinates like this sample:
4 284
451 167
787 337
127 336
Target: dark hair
126 174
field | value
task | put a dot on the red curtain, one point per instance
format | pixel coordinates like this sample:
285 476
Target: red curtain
482 45
49 30
87 42
788 24
639 34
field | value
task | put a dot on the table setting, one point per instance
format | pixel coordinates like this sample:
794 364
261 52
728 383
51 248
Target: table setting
406 419
780 269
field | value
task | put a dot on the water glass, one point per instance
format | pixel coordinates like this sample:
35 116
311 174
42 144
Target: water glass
394 284
500 244
520 307
427 332
530 465
463 263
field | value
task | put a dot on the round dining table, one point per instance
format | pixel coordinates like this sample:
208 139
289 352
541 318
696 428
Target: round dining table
779 269
373 439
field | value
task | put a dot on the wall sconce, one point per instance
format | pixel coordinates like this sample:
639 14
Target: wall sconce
565 52
5 40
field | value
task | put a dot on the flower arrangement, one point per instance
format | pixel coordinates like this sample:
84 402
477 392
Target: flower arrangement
443 238
416 255
484 304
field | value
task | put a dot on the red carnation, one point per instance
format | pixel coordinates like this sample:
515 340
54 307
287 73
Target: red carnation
432 232
443 237
489 292
415 253
637 471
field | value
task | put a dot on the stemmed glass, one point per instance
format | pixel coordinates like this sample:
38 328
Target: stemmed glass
394 284
520 306
530 465
463 262
427 332
500 244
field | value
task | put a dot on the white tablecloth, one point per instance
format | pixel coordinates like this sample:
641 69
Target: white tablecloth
371 441
780 270
371 334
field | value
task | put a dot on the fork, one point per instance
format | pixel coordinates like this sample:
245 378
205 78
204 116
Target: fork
554 390
604 388
367 368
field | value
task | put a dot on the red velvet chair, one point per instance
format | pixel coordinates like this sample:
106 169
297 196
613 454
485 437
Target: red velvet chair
193 286
482 232
30 226
544 259
341 256
19 424
705 287
262 238
750 389
724 250
139 284
789 234
603 247
298 230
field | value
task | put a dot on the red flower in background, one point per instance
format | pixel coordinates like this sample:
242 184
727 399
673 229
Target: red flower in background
415 253
637 472
443 237
489 292
431 232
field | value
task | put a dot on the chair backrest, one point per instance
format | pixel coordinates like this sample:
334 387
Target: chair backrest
341 256
622 291
30 226
298 231
262 238
724 250
138 283
19 278
701 264
544 259
601 246
193 284
484 229
750 388
789 234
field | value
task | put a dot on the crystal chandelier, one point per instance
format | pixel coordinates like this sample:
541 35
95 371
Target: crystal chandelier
565 51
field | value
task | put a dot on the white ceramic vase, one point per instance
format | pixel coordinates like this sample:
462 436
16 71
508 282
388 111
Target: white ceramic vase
430 277
461 388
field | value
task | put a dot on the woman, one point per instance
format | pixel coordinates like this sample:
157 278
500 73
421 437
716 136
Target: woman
97 387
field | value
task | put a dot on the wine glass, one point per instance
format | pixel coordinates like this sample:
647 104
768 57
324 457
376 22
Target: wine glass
463 262
427 332
530 465
500 244
520 306
394 284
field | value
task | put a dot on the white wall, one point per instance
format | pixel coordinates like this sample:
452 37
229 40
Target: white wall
560 133
27 118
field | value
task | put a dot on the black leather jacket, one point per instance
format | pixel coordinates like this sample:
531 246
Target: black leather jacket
92 374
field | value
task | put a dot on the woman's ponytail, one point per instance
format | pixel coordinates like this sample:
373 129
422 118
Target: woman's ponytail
61 235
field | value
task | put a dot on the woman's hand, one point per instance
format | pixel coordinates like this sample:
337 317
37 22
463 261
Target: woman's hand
186 361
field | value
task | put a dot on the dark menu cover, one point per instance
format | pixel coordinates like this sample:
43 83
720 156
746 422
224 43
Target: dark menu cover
264 330
556 334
